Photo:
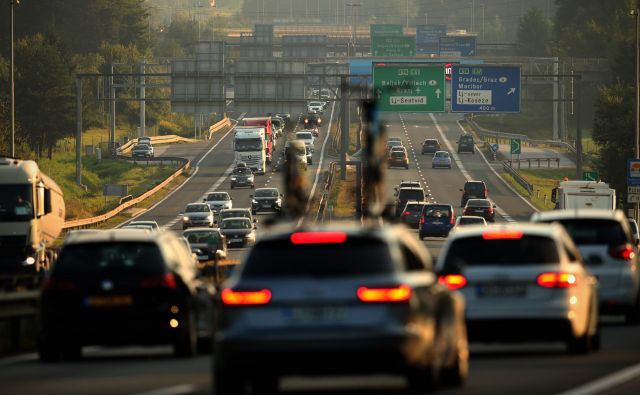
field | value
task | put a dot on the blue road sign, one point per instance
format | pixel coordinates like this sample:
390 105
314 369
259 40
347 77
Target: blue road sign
485 89
458 46
428 38
495 147
633 172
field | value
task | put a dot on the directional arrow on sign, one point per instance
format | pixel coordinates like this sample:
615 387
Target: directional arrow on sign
511 91
438 92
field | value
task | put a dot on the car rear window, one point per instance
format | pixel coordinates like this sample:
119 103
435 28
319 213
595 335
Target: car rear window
411 194
113 258
469 221
235 213
479 203
442 154
466 139
397 154
474 187
356 257
202 237
595 231
430 143
414 208
476 251
436 211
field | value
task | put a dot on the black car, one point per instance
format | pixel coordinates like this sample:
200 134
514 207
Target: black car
242 177
466 144
123 287
239 231
408 194
430 146
473 190
335 299
412 213
481 208
312 120
208 244
266 199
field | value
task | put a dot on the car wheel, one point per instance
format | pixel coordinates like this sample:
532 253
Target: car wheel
632 317
186 343
48 351
231 186
265 384
406 167
421 379
228 382
433 166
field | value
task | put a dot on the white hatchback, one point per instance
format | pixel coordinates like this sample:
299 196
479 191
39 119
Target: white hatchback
522 282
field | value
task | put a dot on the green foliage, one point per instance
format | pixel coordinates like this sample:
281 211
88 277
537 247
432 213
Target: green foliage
533 34
44 91
613 131
166 127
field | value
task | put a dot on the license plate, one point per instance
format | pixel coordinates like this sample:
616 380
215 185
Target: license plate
436 223
235 240
495 290
480 211
316 315
203 257
112 300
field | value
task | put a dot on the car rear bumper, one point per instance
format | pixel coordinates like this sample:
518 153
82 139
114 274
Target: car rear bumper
617 300
314 356
435 231
518 330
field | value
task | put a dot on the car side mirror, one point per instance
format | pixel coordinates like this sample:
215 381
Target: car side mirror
204 200
494 206
282 195
250 196
255 221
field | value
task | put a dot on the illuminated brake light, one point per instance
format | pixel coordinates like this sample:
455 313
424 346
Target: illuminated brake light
52 284
556 280
167 280
452 220
453 281
406 213
377 295
245 298
624 252
318 237
502 234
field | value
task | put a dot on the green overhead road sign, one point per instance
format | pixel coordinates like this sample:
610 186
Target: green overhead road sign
590 176
516 147
393 46
385 30
409 87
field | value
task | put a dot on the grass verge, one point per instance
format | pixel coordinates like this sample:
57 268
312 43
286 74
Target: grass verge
543 181
343 195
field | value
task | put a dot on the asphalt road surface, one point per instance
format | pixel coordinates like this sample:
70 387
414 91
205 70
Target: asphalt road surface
495 369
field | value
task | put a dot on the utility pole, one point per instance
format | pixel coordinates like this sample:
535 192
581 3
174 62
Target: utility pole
13 96
344 125
407 9
473 17
636 13
426 18
79 130
142 100
112 112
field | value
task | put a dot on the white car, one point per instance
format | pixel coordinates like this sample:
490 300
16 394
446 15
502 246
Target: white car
315 107
607 245
218 201
307 137
522 282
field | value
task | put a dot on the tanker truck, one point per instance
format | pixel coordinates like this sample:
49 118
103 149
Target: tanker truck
32 214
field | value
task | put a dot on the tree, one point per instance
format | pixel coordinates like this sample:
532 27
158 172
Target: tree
613 131
44 84
533 34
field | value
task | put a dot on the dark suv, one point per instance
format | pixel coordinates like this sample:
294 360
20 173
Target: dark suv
408 194
430 146
363 302
466 144
312 120
123 287
473 190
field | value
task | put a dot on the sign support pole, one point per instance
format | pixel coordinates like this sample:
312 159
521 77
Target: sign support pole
344 127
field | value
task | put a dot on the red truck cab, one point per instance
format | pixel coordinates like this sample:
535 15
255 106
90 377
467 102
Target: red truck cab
264 122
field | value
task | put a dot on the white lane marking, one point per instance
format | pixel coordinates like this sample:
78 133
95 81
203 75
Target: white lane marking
462 169
18 359
502 179
607 382
319 169
181 389
185 181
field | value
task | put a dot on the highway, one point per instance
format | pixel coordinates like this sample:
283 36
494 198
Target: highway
495 369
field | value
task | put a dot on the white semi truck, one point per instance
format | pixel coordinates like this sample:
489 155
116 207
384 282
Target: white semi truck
584 194
32 214
249 147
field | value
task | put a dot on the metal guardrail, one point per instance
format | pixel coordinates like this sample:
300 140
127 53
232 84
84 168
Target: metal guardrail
155 140
538 160
81 223
326 193
491 135
516 176
14 308
218 126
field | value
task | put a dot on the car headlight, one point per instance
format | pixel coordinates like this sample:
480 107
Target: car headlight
254 201
233 178
185 218
210 218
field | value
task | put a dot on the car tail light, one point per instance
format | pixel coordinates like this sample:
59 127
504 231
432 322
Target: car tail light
167 280
406 213
318 237
245 298
624 252
52 284
401 293
453 281
490 210
502 234
556 280
452 220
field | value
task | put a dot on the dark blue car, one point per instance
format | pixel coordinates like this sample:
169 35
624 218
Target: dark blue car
436 220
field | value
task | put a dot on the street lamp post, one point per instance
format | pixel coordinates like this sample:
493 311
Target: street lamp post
636 14
13 98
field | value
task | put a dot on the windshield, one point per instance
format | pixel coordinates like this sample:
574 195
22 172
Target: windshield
113 259
234 213
216 197
245 145
197 208
478 203
266 193
242 171
236 224
304 135
202 237
16 203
